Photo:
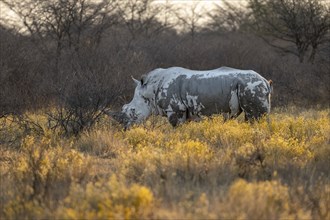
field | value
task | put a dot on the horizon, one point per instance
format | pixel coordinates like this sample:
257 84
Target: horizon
10 18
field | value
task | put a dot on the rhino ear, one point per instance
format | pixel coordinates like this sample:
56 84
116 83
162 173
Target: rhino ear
137 82
143 79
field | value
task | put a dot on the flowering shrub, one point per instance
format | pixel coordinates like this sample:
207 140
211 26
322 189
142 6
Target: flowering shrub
261 200
38 172
209 169
107 200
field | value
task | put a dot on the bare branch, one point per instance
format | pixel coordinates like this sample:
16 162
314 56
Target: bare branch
304 23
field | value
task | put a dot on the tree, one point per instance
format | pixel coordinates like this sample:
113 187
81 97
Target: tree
318 33
190 18
228 17
75 71
140 17
65 22
303 24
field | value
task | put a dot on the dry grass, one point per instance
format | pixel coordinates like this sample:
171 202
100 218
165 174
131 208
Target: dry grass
201 170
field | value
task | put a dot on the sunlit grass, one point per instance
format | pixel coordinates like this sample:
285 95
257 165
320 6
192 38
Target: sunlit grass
207 169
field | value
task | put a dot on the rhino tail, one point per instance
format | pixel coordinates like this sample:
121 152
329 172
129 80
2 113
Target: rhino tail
270 85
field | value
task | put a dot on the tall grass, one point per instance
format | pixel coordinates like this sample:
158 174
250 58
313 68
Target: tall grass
201 170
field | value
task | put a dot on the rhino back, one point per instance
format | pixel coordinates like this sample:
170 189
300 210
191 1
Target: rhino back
206 92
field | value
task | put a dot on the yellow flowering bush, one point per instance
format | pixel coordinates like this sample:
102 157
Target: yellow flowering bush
107 200
211 169
40 168
261 200
284 150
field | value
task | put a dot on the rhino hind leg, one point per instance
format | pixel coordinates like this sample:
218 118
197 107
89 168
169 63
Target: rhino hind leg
254 111
254 107
235 108
255 103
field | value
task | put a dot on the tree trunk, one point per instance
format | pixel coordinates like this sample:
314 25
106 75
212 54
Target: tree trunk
302 48
301 56
313 53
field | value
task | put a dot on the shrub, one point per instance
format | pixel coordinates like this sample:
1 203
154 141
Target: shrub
212 169
260 200
41 176
108 200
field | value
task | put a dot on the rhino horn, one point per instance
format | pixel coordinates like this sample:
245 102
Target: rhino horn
137 82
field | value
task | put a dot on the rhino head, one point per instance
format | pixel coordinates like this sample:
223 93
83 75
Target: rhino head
139 108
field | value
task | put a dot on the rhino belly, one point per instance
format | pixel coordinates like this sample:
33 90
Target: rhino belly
207 96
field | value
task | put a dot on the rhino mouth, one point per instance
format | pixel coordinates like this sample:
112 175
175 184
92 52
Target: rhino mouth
120 117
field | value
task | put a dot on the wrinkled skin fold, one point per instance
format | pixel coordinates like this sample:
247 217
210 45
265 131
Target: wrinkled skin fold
181 94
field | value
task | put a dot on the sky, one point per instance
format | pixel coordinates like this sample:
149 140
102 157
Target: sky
205 3
203 6
202 3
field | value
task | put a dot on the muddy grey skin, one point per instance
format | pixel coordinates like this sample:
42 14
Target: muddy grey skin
181 94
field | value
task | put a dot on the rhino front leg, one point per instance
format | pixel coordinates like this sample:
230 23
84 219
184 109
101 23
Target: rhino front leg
176 118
